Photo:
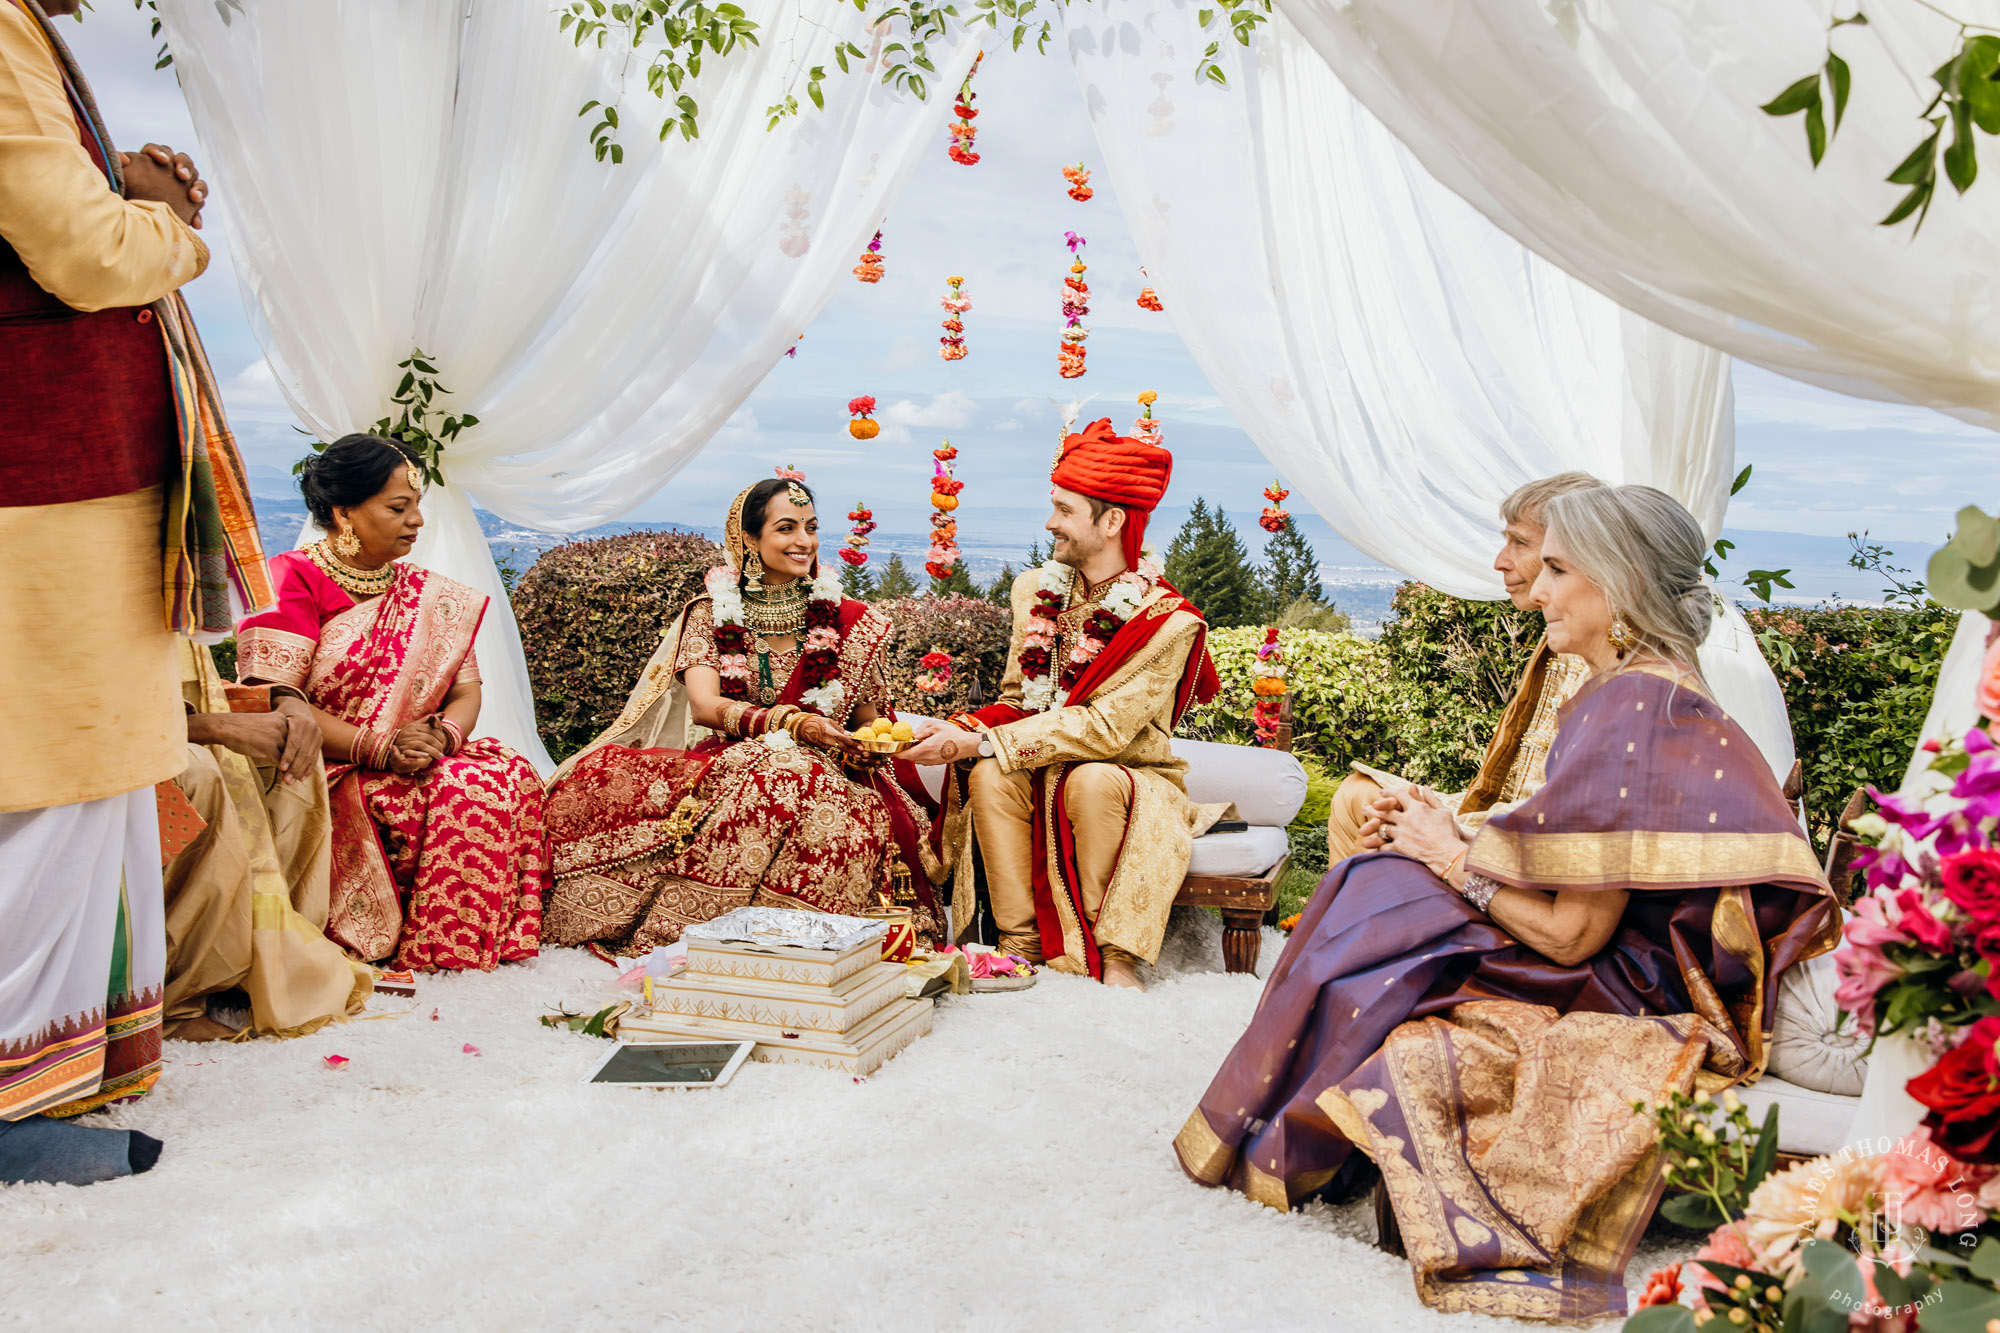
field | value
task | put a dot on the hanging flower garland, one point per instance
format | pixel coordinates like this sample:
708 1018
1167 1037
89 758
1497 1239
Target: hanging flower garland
855 552
1075 305
955 302
963 131
864 426
869 270
1147 428
1268 685
1038 641
935 678
944 551
1273 519
1148 298
1079 183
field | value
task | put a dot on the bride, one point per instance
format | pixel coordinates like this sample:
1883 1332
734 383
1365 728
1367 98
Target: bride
730 779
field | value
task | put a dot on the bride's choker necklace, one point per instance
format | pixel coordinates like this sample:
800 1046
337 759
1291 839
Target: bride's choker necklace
360 583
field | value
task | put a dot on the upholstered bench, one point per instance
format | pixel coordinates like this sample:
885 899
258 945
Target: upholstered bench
1236 873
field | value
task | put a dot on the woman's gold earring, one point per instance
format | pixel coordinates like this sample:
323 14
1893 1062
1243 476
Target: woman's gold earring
1622 637
346 545
753 565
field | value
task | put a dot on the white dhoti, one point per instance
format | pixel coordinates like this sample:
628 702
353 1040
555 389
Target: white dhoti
82 954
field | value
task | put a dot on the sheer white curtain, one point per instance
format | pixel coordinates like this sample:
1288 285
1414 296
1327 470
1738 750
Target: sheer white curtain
1622 140
415 175
1402 362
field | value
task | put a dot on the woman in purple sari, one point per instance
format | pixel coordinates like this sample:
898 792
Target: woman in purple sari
1478 1019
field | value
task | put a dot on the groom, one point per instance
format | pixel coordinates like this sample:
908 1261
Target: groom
1078 806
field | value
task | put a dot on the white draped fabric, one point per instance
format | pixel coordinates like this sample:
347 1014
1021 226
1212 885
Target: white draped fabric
1402 362
415 175
1622 140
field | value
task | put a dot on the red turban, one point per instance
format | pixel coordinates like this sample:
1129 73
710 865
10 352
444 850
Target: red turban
1119 470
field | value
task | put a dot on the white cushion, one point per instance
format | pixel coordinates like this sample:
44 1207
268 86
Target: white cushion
1268 786
1807 1048
1810 1123
1247 854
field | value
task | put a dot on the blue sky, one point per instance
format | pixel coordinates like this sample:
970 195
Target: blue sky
1825 463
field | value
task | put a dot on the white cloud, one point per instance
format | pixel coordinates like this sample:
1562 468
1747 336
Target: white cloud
954 409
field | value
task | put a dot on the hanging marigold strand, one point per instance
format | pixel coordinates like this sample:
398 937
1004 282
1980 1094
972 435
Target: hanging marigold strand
1275 519
944 552
855 552
955 302
1268 686
870 268
1075 305
1079 183
963 131
1147 428
864 426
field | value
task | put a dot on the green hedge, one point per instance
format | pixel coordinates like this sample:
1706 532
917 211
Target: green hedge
591 613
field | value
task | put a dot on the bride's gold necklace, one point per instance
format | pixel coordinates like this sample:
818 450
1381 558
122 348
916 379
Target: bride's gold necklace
778 612
361 583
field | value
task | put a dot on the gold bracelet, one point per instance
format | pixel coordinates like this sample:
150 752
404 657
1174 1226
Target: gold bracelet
797 720
732 718
779 717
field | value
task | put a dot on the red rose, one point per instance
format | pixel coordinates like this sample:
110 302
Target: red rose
1963 1094
1972 883
1917 922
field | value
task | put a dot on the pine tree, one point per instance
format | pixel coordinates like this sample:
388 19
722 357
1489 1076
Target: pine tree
958 583
1037 557
1001 590
1209 563
894 581
857 582
1290 572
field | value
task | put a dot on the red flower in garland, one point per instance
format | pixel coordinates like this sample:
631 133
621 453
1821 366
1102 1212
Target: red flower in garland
1079 183
1274 519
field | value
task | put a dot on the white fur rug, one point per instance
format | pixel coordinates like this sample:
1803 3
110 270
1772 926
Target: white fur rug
1012 1170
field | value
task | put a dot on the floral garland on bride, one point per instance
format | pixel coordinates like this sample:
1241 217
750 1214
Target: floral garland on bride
1038 641
819 659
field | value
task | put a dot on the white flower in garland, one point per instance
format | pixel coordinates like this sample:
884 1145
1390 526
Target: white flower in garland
826 699
779 740
826 586
728 598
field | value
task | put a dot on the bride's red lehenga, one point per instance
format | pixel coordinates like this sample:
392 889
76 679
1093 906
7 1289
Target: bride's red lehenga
444 869
660 823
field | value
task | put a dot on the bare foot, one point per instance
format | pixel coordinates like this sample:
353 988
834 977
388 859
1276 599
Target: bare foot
203 1028
1118 972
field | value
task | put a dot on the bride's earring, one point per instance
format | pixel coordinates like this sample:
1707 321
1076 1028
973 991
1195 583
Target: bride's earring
346 545
753 565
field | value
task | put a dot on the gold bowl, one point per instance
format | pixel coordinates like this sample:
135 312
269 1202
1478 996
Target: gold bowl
882 745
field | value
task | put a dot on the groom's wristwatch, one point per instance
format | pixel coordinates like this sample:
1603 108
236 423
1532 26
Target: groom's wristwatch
985 745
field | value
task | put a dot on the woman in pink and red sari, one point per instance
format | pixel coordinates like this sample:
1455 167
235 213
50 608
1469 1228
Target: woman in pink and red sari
440 857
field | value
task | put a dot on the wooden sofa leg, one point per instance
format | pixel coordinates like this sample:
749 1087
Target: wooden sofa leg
1242 939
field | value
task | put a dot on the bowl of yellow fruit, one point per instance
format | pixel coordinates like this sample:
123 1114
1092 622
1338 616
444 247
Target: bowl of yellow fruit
885 737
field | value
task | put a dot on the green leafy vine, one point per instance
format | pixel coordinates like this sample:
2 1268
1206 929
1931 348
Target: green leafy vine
425 428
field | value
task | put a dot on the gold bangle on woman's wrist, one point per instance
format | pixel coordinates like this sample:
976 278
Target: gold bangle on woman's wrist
777 718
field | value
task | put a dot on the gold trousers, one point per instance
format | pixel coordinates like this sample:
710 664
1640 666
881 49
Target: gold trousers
1098 800
1345 816
247 900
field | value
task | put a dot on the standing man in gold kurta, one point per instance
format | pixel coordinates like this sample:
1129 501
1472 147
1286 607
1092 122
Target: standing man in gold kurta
1079 810
115 440
1512 769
